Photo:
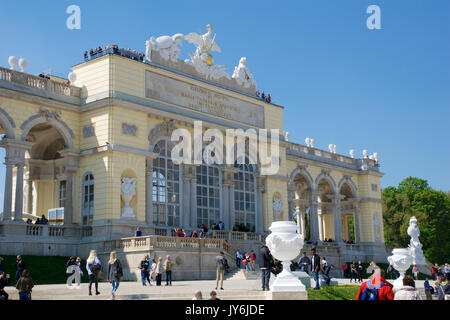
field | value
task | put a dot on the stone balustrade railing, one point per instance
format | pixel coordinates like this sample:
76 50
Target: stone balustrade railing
237 236
86 231
44 230
163 242
297 148
31 81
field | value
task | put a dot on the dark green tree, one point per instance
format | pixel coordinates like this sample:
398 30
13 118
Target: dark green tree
414 197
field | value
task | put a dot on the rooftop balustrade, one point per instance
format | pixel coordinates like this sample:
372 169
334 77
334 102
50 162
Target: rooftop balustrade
47 87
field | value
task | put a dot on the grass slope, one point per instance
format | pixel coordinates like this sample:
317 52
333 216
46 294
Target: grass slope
43 269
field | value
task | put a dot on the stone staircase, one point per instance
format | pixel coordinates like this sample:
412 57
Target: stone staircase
241 274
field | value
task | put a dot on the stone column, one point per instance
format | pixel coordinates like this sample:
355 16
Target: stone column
7 201
149 189
232 214
337 217
68 205
298 209
149 193
15 156
71 166
18 210
186 218
225 207
193 202
189 183
228 196
320 222
356 221
260 189
29 197
314 223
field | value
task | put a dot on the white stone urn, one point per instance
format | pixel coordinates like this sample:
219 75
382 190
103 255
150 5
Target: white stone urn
401 260
285 244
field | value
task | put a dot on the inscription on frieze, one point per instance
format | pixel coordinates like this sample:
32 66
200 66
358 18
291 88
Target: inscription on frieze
204 100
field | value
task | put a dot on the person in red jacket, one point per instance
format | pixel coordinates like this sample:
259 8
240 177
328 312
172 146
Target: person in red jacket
384 293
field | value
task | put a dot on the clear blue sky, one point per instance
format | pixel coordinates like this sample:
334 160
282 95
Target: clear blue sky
385 90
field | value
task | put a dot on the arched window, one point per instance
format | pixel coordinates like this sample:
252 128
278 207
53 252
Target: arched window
88 199
244 197
208 195
166 187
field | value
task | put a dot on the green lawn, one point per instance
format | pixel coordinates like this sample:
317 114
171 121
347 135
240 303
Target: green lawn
333 293
43 270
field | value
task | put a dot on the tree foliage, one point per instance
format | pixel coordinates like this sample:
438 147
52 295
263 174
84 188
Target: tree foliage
414 197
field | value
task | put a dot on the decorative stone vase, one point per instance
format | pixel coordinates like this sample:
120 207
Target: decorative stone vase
401 260
285 244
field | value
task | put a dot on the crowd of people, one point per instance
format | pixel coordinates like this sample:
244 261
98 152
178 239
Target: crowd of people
44 76
246 260
179 232
23 281
113 49
375 288
267 98
155 269
42 220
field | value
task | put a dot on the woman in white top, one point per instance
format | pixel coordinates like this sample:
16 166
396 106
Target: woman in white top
408 291
93 267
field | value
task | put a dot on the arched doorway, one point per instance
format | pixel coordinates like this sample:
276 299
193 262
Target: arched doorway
302 203
350 226
49 168
325 210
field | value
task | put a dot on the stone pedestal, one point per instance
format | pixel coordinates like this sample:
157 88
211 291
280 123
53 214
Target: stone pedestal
304 278
287 282
299 295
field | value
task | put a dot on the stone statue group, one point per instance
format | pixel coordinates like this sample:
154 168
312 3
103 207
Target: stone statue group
202 60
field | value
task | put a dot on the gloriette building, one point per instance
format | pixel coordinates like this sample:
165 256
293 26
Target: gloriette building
94 157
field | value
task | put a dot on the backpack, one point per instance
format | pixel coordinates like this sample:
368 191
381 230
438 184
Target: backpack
371 293
119 271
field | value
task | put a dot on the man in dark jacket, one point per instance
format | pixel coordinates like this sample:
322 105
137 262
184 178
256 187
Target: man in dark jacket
265 264
315 267
326 273
20 266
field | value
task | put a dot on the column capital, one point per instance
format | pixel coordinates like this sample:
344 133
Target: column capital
261 183
189 171
300 202
152 156
72 160
335 197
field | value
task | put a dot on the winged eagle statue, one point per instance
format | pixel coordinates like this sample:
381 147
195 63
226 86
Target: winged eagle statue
202 60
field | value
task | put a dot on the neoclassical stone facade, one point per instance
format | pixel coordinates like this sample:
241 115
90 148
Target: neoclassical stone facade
71 147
